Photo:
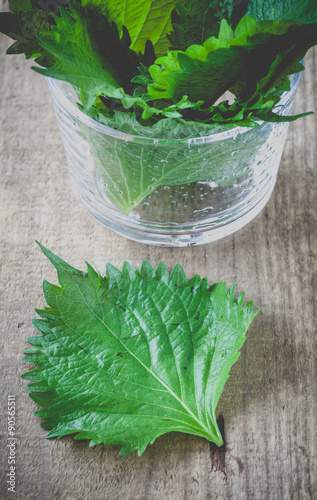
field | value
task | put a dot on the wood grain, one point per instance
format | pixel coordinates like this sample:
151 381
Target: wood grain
269 403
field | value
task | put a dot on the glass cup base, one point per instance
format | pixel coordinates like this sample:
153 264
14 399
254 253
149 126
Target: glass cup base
183 238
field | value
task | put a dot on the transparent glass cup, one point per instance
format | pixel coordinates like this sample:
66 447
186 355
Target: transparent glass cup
171 192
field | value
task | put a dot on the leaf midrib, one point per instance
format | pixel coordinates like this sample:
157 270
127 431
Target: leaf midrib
116 376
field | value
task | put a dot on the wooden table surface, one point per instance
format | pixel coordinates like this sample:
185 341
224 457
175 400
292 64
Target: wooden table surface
269 402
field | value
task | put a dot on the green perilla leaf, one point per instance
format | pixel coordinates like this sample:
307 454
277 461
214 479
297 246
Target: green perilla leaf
144 19
125 358
78 59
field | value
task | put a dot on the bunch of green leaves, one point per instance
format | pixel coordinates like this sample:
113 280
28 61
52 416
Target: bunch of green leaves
125 358
158 59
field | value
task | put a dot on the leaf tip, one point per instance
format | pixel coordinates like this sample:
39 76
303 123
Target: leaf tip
128 271
178 276
147 270
59 264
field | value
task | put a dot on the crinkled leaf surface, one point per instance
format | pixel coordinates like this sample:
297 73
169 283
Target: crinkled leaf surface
303 11
125 358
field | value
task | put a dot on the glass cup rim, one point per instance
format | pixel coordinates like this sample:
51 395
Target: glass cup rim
56 89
